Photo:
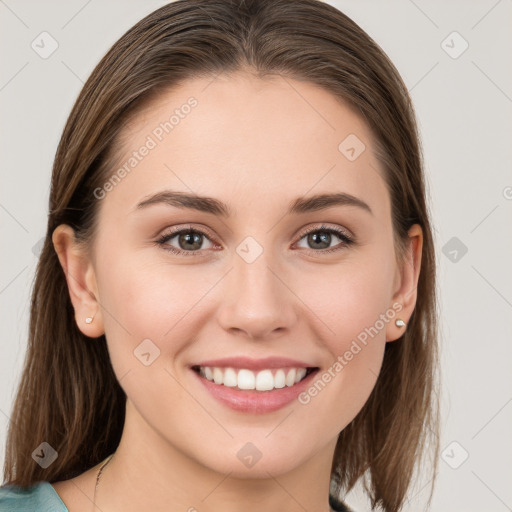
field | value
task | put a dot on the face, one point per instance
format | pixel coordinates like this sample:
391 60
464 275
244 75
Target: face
259 279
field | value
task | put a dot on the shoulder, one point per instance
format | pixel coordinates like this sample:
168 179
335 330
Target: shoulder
38 497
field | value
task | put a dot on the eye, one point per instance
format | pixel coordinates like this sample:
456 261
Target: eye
189 241
321 238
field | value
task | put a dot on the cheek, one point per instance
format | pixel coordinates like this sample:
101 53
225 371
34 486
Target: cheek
149 298
152 300
353 303
146 301
349 299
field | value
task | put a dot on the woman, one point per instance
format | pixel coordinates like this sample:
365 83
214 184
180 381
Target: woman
235 302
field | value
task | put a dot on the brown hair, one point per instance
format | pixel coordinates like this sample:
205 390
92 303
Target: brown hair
68 394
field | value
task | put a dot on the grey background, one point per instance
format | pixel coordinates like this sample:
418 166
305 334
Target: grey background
463 106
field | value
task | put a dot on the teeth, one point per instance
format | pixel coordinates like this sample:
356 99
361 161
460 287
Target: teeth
301 373
280 379
264 380
218 376
290 377
246 379
230 378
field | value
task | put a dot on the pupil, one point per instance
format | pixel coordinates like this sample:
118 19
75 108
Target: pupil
321 237
185 237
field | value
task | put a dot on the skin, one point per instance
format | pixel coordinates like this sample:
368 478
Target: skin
255 145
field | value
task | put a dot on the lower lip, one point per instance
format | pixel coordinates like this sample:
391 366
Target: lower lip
252 401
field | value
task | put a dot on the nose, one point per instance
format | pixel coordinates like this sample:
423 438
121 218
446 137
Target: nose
257 301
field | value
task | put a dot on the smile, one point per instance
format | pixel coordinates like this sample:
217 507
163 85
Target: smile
256 386
266 379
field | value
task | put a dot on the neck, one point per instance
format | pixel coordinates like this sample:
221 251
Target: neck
148 473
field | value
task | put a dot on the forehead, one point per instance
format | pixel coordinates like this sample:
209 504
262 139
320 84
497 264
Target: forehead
241 139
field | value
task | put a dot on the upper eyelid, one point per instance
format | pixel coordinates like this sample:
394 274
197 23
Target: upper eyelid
188 227
324 227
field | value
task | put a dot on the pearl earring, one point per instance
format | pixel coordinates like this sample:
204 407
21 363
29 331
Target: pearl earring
400 323
88 320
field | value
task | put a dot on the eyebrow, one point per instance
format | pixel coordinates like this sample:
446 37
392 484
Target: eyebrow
214 206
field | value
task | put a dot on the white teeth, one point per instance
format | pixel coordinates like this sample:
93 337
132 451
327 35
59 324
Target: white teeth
279 379
230 378
246 379
218 376
290 377
301 373
264 380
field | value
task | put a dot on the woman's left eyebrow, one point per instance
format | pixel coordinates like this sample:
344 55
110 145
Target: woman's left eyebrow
323 201
214 206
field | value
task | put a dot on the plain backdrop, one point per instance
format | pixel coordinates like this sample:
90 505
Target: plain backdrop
455 59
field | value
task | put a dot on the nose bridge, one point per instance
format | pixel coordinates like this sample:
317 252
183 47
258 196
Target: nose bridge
254 275
257 301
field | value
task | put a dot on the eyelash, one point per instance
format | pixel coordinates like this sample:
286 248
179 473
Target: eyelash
162 241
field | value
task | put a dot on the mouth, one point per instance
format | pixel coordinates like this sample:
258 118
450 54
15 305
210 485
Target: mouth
256 386
262 380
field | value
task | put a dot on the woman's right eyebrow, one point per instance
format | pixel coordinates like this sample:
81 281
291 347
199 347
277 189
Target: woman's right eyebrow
214 206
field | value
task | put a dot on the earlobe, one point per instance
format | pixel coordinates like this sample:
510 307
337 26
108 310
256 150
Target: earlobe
406 292
81 281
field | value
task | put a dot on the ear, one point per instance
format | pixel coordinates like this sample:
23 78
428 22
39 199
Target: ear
81 281
406 284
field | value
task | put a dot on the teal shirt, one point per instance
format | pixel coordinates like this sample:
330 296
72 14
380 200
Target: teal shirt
39 497
42 497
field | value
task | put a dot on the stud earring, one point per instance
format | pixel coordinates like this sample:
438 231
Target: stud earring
400 323
88 320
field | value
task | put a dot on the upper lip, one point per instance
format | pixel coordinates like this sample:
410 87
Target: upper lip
255 364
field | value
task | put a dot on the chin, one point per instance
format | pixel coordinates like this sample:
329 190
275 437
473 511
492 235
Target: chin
257 459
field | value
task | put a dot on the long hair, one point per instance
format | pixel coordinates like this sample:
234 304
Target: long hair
68 395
